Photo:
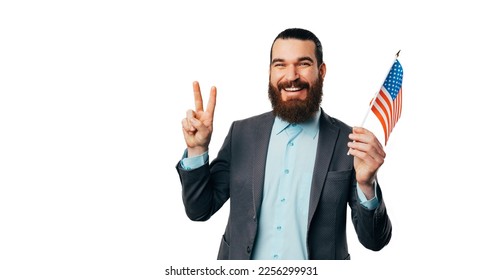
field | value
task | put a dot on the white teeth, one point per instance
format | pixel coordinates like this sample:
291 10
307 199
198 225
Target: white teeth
292 89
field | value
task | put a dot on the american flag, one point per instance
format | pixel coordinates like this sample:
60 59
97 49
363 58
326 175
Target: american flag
388 103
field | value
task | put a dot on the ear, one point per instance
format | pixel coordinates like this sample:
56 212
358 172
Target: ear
322 70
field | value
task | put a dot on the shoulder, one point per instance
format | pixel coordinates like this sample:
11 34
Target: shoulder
335 122
252 125
255 121
267 116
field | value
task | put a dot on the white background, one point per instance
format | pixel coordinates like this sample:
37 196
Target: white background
92 94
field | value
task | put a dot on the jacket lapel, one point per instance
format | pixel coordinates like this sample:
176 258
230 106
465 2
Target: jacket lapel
263 134
328 135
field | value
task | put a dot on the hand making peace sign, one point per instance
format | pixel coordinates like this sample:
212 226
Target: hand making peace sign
198 125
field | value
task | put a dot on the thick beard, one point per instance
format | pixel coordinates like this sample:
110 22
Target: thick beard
296 111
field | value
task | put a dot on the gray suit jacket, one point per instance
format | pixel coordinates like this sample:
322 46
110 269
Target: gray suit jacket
238 173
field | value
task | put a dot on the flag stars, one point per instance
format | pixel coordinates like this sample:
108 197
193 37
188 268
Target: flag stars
393 83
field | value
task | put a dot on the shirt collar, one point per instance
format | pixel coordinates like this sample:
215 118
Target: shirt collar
310 127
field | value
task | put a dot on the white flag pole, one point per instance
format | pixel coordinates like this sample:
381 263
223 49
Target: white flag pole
378 92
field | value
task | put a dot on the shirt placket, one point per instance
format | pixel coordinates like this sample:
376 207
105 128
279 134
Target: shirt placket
284 201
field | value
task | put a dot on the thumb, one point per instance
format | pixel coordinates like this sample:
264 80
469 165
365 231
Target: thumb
195 123
198 125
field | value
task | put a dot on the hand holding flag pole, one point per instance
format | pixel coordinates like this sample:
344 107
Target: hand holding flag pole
387 102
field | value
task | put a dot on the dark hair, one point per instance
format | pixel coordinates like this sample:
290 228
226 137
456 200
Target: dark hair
301 34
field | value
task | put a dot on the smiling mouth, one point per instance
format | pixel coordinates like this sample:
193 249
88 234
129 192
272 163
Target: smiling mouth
293 89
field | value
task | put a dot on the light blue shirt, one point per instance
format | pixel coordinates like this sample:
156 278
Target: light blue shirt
283 221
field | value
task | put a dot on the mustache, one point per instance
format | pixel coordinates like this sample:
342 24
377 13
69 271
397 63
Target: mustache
295 84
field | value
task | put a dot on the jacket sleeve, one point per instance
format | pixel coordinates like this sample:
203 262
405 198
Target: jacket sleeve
373 227
206 189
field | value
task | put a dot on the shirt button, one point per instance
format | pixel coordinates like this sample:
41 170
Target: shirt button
287 171
291 144
278 228
275 256
283 199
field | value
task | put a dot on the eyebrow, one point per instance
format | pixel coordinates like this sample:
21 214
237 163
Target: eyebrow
299 59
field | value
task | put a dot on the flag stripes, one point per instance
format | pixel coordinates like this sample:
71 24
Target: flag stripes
388 103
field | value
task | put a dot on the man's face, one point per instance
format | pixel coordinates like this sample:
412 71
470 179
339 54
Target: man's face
296 81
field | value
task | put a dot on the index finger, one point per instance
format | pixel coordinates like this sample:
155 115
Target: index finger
364 135
212 101
198 99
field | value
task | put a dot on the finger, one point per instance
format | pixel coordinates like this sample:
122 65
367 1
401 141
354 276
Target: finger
212 101
199 127
198 99
360 134
369 160
368 153
186 125
367 148
375 149
189 116
367 139
359 129
372 163
364 135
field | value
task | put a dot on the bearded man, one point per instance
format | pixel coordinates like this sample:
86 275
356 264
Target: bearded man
287 172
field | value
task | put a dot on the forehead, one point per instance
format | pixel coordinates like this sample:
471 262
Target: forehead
293 49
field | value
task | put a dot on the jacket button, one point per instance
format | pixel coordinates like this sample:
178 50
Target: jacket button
248 249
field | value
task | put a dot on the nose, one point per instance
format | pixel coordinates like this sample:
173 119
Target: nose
292 73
